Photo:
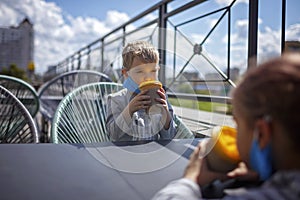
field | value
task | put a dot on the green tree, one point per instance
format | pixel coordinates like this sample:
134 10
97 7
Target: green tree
13 70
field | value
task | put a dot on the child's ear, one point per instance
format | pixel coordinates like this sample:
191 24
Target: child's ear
157 67
264 132
124 73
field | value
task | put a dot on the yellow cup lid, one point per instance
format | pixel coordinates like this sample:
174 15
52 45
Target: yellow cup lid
152 83
225 137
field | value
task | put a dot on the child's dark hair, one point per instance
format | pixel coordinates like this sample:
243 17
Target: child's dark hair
272 89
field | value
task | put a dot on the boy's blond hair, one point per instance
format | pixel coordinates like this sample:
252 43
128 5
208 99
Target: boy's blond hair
142 51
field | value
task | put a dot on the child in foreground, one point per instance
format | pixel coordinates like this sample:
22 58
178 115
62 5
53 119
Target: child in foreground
266 110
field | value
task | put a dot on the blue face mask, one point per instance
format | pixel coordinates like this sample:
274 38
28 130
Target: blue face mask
261 160
131 85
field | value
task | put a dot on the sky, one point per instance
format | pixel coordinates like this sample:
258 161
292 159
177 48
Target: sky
64 26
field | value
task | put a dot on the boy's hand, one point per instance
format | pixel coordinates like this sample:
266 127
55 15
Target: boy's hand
197 169
140 101
163 101
243 173
192 170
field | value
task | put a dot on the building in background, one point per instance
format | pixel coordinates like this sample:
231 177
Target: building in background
292 46
16 45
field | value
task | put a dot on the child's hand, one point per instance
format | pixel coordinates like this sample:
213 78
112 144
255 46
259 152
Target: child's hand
163 101
140 101
161 92
197 169
243 173
192 170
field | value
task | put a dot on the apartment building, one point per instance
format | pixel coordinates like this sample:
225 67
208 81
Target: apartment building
17 45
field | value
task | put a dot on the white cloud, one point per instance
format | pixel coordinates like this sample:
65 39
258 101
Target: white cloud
198 38
293 32
151 16
242 28
212 22
241 31
268 43
57 35
114 18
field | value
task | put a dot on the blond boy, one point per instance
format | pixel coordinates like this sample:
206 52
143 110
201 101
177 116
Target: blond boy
127 118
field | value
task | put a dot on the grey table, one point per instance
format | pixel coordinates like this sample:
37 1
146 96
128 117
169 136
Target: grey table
135 170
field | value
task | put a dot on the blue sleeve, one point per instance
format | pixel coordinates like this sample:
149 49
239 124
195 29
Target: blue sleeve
171 132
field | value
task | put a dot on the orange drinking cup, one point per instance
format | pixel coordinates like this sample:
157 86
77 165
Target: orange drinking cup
224 155
152 86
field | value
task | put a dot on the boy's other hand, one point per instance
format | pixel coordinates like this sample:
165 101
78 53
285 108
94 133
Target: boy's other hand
242 172
163 101
140 101
197 169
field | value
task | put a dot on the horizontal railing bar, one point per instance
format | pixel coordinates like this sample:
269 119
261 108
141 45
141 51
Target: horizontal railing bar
183 8
151 9
203 81
201 97
202 16
124 35
203 123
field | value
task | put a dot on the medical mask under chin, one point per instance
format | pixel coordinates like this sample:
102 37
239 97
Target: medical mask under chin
131 85
261 160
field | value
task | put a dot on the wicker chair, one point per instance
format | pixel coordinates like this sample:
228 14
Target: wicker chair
16 123
52 92
81 116
182 131
23 91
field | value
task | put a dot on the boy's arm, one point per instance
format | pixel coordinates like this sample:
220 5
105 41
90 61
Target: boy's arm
186 187
120 123
117 116
171 131
178 190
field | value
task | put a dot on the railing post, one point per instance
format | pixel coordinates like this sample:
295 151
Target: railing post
283 11
162 24
102 55
79 61
124 38
68 63
252 33
88 59
72 64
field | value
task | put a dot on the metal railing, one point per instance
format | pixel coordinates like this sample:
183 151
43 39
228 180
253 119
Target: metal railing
182 58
